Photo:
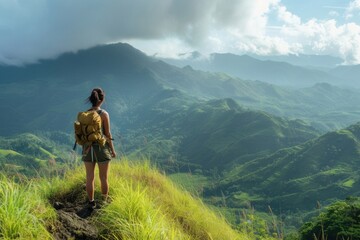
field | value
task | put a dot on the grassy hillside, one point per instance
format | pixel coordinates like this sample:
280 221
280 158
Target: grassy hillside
326 106
211 134
144 205
32 155
224 134
323 169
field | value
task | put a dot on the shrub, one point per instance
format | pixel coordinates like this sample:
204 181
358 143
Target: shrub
340 220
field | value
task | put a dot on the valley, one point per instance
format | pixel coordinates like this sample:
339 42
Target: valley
235 143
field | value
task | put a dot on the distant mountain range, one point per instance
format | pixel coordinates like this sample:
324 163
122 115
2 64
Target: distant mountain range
349 73
263 140
208 134
320 62
290 71
51 89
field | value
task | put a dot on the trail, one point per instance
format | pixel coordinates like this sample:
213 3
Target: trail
75 219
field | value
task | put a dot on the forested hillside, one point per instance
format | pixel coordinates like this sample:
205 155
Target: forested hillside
321 169
238 144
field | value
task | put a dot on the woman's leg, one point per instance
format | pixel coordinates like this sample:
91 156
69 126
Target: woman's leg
103 174
90 175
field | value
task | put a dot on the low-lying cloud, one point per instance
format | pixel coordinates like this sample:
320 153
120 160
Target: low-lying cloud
35 29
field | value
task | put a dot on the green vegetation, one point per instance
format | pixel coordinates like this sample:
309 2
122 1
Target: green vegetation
293 177
6 152
196 126
297 176
318 170
144 205
349 183
130 77
151 206
340 220
23 212
33 155
208 134
194 183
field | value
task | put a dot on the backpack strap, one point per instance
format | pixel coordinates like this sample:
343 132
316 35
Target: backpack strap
100 111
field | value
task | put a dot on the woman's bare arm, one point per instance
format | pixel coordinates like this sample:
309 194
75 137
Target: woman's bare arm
106 122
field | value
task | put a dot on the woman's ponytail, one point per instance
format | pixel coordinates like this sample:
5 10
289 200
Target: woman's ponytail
96 96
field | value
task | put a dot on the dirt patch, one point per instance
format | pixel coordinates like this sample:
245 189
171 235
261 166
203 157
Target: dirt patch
75 218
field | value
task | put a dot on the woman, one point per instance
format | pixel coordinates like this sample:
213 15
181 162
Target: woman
101 155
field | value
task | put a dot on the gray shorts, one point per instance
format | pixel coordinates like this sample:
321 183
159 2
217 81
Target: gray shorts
96 153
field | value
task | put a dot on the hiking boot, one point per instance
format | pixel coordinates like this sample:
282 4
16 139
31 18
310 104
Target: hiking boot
91 204
105 201
58 205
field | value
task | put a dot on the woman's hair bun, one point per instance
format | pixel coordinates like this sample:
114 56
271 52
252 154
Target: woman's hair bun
97 95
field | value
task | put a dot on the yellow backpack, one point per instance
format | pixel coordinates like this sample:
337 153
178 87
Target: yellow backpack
88 128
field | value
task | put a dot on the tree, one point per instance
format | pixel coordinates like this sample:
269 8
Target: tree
339 221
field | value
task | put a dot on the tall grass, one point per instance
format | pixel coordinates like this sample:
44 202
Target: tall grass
23 212
133 215
148 203
144 205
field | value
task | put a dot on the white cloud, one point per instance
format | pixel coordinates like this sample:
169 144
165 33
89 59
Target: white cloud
251 33
326 37
287 17
169 47
354 6
35 29
312 37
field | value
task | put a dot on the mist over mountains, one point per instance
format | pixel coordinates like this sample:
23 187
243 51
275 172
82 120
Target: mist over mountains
289 71
51 89
252 135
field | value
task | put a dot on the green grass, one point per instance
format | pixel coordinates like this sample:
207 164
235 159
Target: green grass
145 205
47 153
349 183
5 152
23 212
150 204
194 183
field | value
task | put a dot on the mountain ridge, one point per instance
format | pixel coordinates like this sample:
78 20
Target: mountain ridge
219 127
310 172
129 76
144 205
211 133
248 67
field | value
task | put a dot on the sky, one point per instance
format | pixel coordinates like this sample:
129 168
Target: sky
39 29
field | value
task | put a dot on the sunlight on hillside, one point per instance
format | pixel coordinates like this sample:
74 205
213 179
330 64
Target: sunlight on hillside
144 205
23 212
